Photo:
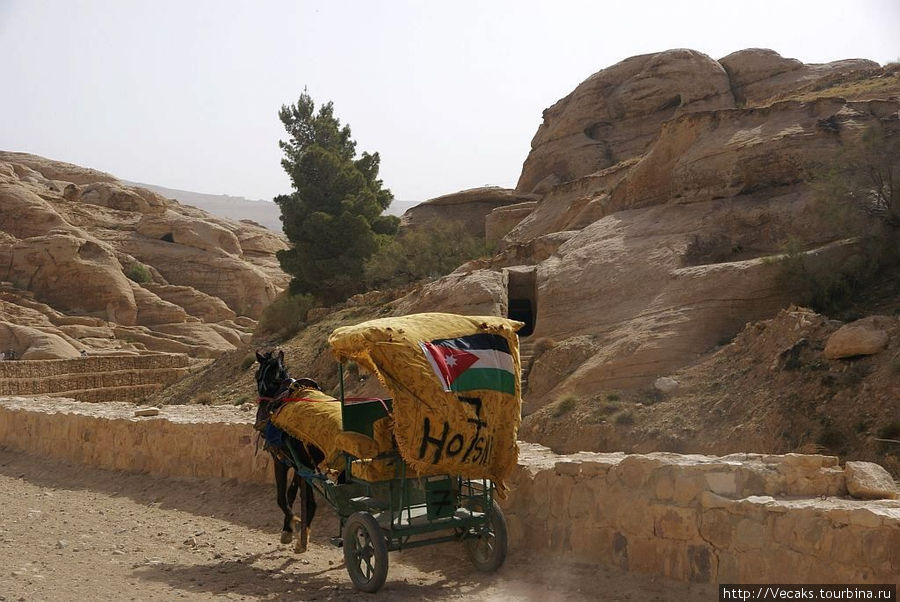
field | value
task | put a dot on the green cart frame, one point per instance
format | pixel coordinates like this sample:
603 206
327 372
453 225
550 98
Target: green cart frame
405 511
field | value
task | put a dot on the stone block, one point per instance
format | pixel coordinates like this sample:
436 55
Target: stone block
688 487
634 471
722 483
632 518
710 500
567 467
665 487
593 468
516 531
865 517
581 502
717 527
867 480
881 549
750 566
560 495
729 570
702 564
783 565
749 535
672 522
559 537
592 543
542 484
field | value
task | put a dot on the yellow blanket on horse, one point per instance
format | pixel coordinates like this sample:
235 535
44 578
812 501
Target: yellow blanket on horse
315 419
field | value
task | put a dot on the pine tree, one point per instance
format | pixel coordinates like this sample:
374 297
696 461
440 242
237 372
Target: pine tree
333 219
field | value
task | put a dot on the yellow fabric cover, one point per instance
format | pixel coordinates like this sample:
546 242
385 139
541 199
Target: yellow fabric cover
356 444
383 434
382 469
315 422
460 438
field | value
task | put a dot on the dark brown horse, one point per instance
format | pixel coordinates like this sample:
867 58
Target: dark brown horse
273 384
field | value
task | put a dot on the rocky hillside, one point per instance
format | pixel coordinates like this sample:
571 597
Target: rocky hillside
799 382
89 263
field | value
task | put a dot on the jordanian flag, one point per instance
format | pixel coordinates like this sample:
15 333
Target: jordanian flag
478 361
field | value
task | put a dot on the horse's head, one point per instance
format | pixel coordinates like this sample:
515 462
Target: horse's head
270 376
271 373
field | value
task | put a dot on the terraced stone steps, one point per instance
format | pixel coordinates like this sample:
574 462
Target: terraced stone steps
134 393
93 379
526 352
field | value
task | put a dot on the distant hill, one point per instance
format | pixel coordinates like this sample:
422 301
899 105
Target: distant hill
262 212
265 213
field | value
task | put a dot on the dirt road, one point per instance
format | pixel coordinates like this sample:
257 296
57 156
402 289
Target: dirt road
72 533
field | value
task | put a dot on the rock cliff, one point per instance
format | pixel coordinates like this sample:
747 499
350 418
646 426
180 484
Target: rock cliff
666 188
90 263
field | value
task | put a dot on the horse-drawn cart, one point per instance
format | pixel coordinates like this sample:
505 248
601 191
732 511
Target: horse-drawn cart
425 466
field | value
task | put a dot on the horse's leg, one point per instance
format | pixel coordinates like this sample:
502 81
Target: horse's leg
307 501
301 525
281 471
309 505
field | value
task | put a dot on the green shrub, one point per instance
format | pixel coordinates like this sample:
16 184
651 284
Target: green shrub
541 346
890 430
204 399
284 315
247 362
832 438
565 405
858 196
420 253
626 417
139 273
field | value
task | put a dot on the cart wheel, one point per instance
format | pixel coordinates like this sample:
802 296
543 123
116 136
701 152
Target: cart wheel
487 550
365 552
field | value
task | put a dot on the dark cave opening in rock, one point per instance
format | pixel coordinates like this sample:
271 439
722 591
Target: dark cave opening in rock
522 304
521 310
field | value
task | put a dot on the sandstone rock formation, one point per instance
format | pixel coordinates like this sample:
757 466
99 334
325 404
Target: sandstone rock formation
760 74
141 271
470 207
614 114
668 188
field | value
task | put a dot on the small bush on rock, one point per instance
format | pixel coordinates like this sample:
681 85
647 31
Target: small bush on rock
565 405
138 272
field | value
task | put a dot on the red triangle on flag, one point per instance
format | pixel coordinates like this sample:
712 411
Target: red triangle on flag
449 362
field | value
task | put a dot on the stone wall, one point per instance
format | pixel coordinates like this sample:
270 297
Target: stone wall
736 519
744 518
183 441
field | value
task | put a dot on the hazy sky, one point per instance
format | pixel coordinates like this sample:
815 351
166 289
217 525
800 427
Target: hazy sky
185 93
